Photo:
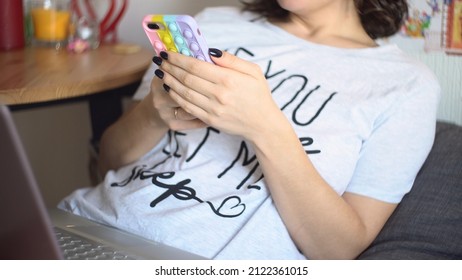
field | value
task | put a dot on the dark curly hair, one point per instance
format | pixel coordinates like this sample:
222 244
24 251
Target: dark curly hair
380 18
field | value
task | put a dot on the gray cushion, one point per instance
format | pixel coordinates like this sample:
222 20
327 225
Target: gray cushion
428 222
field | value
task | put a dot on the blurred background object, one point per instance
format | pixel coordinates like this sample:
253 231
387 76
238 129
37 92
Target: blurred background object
50 21
11 25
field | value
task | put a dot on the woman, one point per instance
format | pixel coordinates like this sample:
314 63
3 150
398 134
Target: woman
299 142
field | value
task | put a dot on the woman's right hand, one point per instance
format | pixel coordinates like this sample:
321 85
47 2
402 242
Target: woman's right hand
169 111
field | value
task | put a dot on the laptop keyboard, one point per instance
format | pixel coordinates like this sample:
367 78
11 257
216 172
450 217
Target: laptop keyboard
75 247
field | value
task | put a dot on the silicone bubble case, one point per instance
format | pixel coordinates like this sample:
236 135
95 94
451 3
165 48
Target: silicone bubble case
178 33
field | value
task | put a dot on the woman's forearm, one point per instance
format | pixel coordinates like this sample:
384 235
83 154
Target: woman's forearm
320 221
133 135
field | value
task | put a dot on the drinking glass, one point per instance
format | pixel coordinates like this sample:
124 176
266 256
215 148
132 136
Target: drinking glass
50 20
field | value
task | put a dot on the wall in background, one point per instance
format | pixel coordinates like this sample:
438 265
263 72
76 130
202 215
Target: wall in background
56 139
448 70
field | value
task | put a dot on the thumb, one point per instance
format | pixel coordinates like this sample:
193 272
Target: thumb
227 60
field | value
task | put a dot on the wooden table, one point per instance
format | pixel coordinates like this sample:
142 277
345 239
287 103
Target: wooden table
42 76
35 75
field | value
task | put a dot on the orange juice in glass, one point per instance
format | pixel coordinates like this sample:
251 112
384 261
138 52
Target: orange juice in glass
51 19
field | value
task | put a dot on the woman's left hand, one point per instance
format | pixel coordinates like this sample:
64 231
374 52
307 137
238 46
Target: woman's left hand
231 95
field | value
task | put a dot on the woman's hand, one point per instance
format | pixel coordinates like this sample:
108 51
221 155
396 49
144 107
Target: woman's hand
168 110
231 95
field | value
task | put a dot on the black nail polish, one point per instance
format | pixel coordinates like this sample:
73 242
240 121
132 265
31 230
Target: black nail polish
166 88
164 55
215 52
157 60
159 73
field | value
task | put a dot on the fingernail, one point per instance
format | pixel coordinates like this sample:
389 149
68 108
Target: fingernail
215 52
157 60
167 88
159 73
164 55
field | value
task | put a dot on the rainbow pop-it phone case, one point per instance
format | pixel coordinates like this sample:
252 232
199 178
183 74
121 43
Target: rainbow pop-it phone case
178 33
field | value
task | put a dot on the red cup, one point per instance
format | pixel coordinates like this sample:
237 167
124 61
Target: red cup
11 25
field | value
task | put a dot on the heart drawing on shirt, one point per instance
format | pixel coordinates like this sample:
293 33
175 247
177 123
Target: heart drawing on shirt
230 207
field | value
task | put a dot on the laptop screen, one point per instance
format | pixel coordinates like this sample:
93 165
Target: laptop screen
25 231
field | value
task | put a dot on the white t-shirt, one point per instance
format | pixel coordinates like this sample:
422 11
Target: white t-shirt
366 118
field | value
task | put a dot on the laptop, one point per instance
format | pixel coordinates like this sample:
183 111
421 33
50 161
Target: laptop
28 230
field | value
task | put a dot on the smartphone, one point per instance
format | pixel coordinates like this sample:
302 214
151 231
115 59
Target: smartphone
178 33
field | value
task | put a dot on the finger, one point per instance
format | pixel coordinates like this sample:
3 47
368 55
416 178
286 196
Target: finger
187 125
227 60
229 65
189 80
160 90
189 93
199 68
189 108
180 114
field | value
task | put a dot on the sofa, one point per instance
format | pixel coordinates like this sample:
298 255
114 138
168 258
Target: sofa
427 224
